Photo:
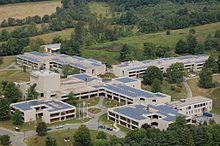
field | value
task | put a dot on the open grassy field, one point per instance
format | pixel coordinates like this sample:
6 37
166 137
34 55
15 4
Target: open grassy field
7 61
65 34
14 76
173 90
59 136
213 93
22 10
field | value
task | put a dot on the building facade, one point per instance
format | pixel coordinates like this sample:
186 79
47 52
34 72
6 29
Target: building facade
192 63
50 111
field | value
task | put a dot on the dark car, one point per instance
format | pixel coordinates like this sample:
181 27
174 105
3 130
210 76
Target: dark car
101 127
109 129
207 114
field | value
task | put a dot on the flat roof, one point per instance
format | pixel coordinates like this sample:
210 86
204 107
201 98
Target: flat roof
190 101
51 106
139 65
126 79
53 46
141 112
85 77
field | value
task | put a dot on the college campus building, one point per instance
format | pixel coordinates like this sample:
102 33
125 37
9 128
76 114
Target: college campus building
194 106
143 115
39 61
50 111
52 48
192 63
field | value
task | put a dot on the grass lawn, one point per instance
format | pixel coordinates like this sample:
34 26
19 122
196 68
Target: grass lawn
111 103
92 101
7 60
64 34
94 110
14 76
171 89
59 136
103 120
23 10
123 129
213 93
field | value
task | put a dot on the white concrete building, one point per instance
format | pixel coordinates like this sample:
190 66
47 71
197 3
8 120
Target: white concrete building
52 48
50 111
37 61
142 115
192 63
194 106
125 89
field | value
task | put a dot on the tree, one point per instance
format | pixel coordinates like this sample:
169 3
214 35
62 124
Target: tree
210 43
12 92
191 43
212 64
125 53
101 142
218 62
50 142
192 31
5 140
4 109
205 78
181 47
82 136
57 39
1 60
217 34
152 73
17 118
156 86
69 70
80 33
32 93
175 72
101 135
149 50
41 129
72 99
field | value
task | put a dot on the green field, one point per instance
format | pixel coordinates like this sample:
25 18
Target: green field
7 61
213 93
176 93
14 76
59 136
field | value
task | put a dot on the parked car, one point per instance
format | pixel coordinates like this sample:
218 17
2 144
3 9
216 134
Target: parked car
48 129
101 127
59 126
109 129
17 129
207 114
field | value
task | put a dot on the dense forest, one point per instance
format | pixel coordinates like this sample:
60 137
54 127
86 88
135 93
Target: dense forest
3 2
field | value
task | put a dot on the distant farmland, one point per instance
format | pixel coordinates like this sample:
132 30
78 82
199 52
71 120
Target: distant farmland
22 10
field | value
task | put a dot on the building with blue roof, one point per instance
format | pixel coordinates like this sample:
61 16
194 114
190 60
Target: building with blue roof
136 69
143 115
50 111
36 61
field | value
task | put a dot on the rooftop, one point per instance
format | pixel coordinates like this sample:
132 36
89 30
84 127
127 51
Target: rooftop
51 106
190 101
53 46
141 112
126 79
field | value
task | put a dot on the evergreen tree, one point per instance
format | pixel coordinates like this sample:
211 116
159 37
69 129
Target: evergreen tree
4 109
41 129
32 93
125 53
181 47
212 64
175 72
50 142
12 92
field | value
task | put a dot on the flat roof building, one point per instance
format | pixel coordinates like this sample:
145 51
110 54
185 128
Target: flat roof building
52 48
137 68
50 111
194 106
37 61
142 115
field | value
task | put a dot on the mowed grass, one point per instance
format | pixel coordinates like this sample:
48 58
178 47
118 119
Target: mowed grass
47 38
7 61
23 10
100 9
59 136
213 93
14 76
173 90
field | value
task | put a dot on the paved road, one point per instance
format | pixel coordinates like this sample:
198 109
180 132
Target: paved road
188 89
18 138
